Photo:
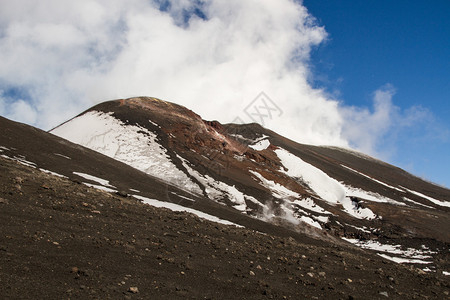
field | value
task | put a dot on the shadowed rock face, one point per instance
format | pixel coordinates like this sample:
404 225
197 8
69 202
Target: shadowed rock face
244 174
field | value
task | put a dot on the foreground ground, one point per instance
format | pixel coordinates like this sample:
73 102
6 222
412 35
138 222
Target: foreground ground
61 239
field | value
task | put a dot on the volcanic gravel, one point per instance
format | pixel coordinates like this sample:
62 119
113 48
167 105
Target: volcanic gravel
62 239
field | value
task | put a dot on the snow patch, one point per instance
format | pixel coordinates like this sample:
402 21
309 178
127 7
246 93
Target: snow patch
321 219
216 190
409 255
153 123
277 189
21 159
261 145
363 229
130 144
323 185
435 201
176 207
52 173
181 196
309 204
380 182
370 196
66 157
353 208
417 203
401 260
310 221
100 187
101 181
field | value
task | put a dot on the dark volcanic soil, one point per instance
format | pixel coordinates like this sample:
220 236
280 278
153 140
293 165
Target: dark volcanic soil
60 239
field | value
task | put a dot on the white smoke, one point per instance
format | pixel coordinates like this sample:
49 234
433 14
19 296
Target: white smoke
58 58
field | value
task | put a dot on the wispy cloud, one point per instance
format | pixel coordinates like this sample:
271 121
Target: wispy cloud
379 129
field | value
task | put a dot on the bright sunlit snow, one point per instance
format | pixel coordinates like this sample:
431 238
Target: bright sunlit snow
216 190
261 145
323 185
409 255
277 189
52 173
417 203
130 144
356 211
377 181
93 178
21 159
309 204
176 207
100 187
310 221
370 196
435 201
61 155
401 260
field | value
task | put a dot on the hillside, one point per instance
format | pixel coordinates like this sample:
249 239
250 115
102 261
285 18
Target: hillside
180 207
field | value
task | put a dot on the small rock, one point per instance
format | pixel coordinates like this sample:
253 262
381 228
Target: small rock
133 289
56 243
4 201
322 274
122 194
96 212
421 272
18 180
252 273
384 294
74 270
86 272
310 274
349 280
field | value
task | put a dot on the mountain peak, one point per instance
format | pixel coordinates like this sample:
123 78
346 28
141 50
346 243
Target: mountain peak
321 201
323 192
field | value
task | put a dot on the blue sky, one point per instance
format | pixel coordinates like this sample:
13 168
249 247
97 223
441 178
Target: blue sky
370 75
402 43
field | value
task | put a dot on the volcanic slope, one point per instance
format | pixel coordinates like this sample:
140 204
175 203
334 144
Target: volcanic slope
66 233
324 192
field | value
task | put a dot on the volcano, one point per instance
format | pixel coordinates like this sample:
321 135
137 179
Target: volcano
144 152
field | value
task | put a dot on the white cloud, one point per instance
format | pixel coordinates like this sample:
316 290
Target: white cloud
69 56
19 110
364 127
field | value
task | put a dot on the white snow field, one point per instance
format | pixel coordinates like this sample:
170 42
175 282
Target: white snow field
130 144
